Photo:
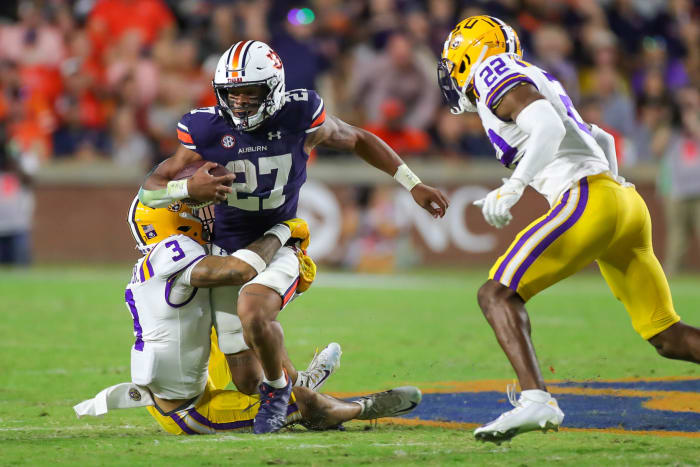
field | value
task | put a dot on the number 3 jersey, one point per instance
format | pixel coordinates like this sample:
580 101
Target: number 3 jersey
578 155
269 163
172 320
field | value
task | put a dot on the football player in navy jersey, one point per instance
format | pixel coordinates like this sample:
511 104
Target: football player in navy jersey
264 136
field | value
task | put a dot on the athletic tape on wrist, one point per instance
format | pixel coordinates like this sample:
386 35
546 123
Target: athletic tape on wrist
177 189
406 177
252 258
280 231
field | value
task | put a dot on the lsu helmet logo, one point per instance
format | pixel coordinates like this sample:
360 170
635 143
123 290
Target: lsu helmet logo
175 207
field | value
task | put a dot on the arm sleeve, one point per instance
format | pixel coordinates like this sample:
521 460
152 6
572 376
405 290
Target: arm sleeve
155 198
606 141
546 131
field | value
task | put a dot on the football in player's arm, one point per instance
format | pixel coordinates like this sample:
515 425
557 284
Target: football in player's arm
332 134
595 215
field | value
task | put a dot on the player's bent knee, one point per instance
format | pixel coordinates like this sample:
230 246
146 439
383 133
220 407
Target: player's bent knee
254 323
492 293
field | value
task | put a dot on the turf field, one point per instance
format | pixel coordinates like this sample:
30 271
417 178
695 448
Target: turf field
66 335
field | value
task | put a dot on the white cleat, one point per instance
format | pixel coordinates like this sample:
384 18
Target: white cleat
534 410
321 367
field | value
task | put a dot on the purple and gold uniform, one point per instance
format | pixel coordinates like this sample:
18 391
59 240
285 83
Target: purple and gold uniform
594 215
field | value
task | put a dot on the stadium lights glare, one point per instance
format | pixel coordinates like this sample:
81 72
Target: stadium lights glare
298 16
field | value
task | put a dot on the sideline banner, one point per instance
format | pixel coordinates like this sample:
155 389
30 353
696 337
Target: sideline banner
374 227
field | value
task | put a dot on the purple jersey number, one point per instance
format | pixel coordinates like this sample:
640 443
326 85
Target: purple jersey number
490 75
566 100
176 249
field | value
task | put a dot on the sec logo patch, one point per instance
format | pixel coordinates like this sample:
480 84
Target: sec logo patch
228 141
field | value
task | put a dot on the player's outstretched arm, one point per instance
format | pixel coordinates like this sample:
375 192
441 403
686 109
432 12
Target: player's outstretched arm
159 189
244 264
336 134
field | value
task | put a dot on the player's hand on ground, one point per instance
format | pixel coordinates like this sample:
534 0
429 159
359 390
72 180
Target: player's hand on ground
431 199
204 186
496 206
300 231
307 271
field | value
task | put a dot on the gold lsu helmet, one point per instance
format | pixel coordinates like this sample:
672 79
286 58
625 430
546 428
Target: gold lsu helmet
151 225
470 42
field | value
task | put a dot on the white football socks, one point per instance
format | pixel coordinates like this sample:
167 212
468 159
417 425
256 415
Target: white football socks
277 383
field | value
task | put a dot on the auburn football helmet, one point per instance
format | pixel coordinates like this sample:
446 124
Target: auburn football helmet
250 63
470 42
151 225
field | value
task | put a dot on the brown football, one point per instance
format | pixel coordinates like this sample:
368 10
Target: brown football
189 170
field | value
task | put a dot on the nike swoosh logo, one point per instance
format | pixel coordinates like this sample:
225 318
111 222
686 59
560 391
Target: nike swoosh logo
328 373
409 408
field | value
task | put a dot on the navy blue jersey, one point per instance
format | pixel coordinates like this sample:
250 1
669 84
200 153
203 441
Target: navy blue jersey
269 163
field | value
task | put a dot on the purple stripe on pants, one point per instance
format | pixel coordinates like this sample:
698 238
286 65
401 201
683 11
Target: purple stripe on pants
528 234
181 423
219 426
549 239
138 332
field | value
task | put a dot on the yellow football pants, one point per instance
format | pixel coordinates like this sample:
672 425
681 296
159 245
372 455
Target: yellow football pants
217 409
596 220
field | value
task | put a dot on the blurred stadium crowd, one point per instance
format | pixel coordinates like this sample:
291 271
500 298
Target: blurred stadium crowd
90 79
97 80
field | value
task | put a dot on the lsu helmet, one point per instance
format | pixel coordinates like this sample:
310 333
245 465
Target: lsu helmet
248 63
470 42
151 225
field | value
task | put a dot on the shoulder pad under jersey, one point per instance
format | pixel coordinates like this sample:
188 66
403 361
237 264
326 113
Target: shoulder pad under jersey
496 76
194 128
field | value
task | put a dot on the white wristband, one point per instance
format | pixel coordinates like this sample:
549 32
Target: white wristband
252 258
406 177
280 231
177 189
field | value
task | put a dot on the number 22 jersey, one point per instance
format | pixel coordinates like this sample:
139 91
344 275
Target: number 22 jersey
578 155
269 163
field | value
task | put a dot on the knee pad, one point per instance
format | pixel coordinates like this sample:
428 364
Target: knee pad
229 332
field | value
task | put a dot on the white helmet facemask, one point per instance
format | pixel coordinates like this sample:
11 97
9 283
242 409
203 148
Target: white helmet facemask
249 63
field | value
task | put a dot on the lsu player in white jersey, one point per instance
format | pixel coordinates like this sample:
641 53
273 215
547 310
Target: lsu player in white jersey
594 215
172 373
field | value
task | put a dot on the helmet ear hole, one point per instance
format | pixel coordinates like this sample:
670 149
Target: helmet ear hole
462 67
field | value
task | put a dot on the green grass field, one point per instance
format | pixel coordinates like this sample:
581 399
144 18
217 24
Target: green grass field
66 335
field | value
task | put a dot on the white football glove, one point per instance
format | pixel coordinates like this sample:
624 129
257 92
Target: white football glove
496 206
